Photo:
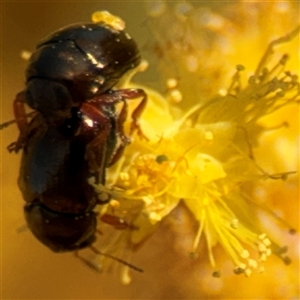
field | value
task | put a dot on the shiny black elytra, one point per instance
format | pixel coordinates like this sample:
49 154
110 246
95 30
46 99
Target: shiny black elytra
72 83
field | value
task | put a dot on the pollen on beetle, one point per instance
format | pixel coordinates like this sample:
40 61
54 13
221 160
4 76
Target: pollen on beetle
92 59
100 65
104 16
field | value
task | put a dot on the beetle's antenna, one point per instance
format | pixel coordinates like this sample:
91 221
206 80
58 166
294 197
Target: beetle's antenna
95 268
22 228
95 250
8 123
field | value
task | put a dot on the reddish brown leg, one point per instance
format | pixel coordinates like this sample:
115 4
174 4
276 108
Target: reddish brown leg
96 149
87 262
117 222
129 94
19 112
125 139
114 97
21 120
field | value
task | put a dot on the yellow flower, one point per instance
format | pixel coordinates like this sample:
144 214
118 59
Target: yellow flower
202 152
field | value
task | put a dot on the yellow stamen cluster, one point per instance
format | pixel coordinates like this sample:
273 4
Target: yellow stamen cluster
205 156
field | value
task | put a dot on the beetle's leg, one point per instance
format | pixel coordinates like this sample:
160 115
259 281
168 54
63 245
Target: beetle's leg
129 94
87 262
21 120
125 139
96 148
117 222
113 97
19 112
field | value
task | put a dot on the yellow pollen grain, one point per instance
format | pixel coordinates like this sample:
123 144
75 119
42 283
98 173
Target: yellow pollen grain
148 199
268 252
262 248
242 266
25 54
261 269
245 253
176 96
172 83
114 203
266 242
104 16
125 276
222 92
153 216
263 257
143 65
248 272
252 263
124 176
262 236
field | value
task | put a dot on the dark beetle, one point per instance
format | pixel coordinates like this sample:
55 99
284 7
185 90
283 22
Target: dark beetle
76 132
53 181
79 63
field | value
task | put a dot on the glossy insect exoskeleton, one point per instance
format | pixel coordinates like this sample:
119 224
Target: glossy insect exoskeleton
79 63
53 181
73 85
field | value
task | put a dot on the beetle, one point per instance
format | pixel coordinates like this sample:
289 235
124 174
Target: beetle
53 180
73 82
81 63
